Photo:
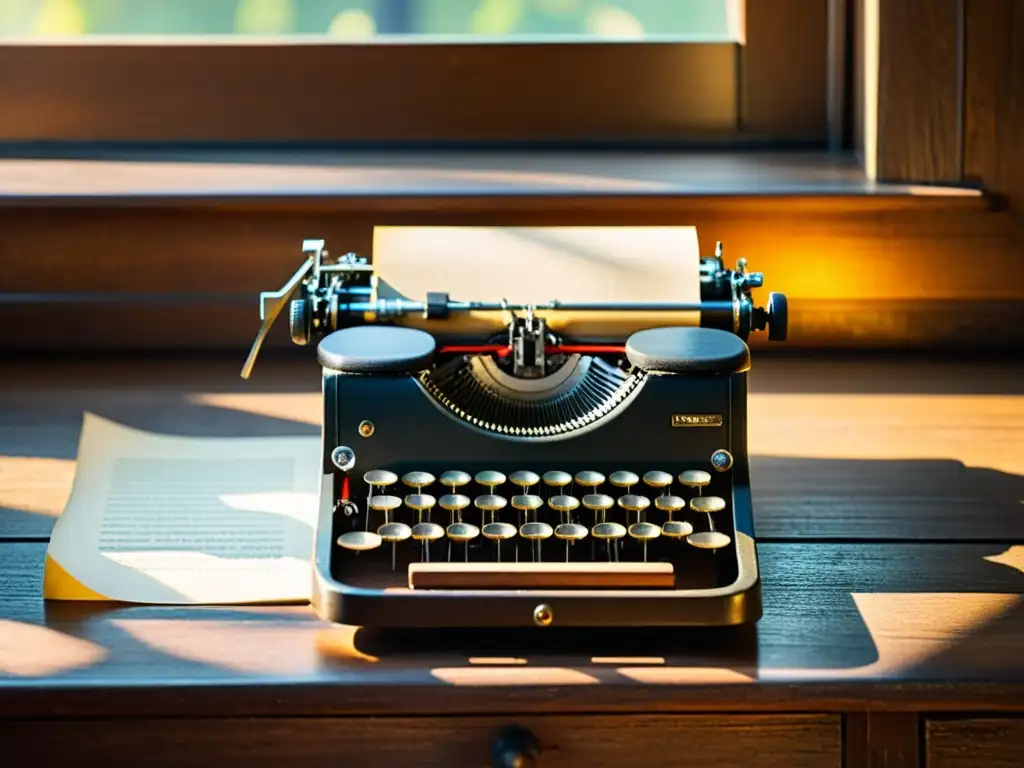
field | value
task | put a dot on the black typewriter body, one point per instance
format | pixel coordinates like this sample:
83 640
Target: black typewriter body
567 464
671 424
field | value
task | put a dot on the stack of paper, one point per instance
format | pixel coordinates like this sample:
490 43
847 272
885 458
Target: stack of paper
182 520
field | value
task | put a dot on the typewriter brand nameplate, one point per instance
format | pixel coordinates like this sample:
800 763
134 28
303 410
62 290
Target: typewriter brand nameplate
696 420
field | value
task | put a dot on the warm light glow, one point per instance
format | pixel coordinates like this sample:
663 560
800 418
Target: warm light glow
302 407
35 484
513 675
1013 557
59 18
496 660
27 650
612 21
496 17
264 17
353 24
885 426
627 660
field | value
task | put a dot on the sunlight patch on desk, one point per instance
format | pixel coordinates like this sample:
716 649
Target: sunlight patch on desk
35 484
28 650
519 675
248 648
498 661
1012 557
915 427
300 407
338 643
686 675
909 629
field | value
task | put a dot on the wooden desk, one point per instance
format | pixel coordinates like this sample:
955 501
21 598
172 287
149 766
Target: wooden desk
889 501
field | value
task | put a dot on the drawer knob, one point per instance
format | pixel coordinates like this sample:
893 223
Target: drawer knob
516 748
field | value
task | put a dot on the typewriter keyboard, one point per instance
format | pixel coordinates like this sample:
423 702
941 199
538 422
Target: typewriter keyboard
529 530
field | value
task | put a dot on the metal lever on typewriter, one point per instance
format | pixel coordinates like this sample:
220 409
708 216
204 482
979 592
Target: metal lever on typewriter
343 293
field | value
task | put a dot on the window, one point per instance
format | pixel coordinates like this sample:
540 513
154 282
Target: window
381 71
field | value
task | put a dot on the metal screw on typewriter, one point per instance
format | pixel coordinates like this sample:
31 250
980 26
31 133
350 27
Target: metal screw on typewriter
566 420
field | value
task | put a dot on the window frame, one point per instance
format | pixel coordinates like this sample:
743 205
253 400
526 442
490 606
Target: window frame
772 87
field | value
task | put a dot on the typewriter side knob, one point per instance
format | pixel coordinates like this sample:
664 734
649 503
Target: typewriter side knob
516 748
778 317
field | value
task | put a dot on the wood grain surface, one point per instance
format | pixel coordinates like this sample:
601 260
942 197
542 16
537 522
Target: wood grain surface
688 741
843 447
965 743
920 90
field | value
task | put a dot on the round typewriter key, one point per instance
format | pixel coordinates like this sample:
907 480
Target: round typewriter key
489 479
623 479
536 532
676 529
380 477
426 533
420 502
598 502
524 478
359 541
453 502
464 533
707 504
455 479
610 533
563 503
631 502
526 503
417 479
589 479
394 533
498 532
669 504
694 478
644 532
557 479
708 540
658 479
489 502
570 533
384 503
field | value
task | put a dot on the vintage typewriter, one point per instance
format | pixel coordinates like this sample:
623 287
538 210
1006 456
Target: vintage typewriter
523 476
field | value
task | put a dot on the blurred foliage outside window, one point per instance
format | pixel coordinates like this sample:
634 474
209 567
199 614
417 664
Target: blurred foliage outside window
365 19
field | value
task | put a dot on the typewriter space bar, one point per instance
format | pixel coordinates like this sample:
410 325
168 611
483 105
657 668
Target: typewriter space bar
541 576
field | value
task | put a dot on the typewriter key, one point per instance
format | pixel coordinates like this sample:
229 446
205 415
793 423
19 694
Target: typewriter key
417 480
707 504
598 503
385 504
658 479
359 541
394 533
462 533
455 479
380 477
708 540
489 502
426 534
623 479
526 503
610 533
490 479
694 478
644 532
570 533
589 479
525 479
498 532
557 479
676 529
564 505
631 502
536 533
420 503
454 503
669 504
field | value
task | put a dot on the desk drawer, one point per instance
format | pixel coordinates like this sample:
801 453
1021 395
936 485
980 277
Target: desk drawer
975 743
753 741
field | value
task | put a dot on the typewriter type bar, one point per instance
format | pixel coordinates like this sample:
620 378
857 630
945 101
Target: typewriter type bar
595 575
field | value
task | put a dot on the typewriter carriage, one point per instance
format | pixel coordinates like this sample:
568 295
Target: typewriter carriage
527 396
